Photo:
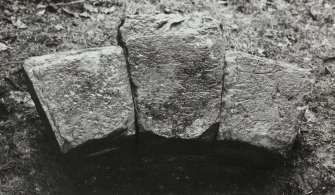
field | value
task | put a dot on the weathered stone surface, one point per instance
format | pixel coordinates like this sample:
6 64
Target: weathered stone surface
84 94
176 63
261 101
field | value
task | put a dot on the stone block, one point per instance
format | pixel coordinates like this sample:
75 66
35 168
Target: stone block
176 64
84 95
263 101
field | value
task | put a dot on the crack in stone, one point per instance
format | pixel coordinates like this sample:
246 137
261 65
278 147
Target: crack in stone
223 89
133 87
214 129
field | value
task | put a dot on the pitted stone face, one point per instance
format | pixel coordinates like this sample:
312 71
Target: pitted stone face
262 100
84 94
176 64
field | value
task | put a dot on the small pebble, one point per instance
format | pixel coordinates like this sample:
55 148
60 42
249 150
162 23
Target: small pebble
3 47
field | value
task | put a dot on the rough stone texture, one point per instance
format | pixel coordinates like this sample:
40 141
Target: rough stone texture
85 94
176 64
262 100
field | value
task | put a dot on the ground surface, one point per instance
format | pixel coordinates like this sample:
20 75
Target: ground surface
301 32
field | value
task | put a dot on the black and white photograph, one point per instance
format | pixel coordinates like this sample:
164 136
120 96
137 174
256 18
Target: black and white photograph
208 97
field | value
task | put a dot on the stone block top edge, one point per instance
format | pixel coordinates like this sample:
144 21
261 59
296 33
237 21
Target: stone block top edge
160 24
35 61
231 56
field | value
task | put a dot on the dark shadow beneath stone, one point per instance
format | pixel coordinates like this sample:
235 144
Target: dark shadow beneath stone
99 148
160 165
246 155
226 152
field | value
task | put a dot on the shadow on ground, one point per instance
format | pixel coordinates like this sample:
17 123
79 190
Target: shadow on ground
164 166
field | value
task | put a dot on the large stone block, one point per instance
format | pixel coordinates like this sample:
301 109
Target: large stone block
262 100
84 95
176 64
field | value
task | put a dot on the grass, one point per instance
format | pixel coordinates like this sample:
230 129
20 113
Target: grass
289 31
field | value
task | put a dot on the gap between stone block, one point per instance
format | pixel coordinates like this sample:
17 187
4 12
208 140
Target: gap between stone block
133 87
